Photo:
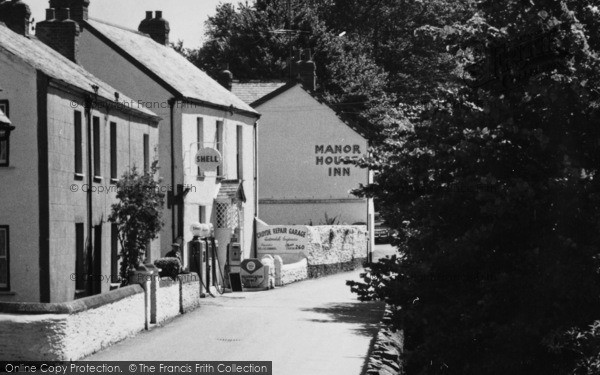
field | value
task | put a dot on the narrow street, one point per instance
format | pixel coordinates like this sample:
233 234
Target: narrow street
312 327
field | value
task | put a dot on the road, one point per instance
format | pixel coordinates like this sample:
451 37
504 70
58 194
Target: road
383 250
311 327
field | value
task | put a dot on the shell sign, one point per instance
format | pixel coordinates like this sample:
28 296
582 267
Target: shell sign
208 159
252 273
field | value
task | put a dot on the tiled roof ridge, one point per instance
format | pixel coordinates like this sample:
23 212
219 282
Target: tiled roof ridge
118 26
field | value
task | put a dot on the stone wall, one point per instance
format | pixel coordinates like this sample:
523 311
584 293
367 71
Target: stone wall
336 248
69 331
72 330
167 300
189 292
328 249
386 356
291 273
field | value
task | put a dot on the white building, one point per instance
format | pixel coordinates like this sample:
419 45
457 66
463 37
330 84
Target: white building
71 139
302 146
197 112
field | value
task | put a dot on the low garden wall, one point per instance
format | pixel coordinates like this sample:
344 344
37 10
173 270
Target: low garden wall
290 273
386 356
72 330
327 249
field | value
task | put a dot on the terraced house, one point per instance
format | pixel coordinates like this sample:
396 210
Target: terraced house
197 113
64 136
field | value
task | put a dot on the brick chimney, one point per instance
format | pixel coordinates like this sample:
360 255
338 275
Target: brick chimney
78 8
158 28
15 15
60 32
307 70
225 78
303 69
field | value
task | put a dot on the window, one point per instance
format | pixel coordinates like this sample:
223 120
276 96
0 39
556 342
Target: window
146 152
4 260
80 260
219 142
78 141
5 130
202 214
239 155
97 143
113 151
200 137
114 253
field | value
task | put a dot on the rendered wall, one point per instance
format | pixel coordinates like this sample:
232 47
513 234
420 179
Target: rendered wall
301 175
19 203
65 336
68 192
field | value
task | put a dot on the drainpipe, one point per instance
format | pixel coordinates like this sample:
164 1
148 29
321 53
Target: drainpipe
88 116
172 102
255 186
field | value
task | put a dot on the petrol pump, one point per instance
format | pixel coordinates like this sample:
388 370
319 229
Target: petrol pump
203 258
197 253
234 261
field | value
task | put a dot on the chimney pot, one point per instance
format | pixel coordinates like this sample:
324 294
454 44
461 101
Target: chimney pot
63 14
149 15
78 8
157 28
50 14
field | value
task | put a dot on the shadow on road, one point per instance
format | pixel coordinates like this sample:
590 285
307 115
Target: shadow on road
365 315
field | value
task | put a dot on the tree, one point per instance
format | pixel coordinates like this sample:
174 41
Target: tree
257 41
137 215
495 194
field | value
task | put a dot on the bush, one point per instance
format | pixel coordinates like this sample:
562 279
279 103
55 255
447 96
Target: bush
169 267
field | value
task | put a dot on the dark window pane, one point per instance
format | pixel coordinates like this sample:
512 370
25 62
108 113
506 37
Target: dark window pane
78 141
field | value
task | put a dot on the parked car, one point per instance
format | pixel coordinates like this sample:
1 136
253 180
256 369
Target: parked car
383 233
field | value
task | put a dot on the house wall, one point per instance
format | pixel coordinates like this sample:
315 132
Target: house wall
108 65
19 202
68 192
204 190
301 176
104 62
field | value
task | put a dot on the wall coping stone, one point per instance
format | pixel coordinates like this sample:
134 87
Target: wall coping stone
188 278
72 307
167 281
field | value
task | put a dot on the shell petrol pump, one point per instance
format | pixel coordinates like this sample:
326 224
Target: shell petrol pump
234 261
203 258
198 254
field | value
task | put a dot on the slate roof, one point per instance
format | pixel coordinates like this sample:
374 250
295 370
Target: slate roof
167 65
250 92
3 118
231 190
43 58
363 129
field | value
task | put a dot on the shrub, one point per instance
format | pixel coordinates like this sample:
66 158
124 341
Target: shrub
169 267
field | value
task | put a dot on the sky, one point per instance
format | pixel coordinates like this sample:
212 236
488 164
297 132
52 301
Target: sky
186 17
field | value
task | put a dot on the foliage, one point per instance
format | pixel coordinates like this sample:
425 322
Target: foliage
137 215
495 195
169 267
252 42
335 220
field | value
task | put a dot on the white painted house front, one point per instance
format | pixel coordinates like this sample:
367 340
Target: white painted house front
197 112
58 168
302 147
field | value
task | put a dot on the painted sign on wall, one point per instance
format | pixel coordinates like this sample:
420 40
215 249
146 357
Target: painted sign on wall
335 157
287 241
